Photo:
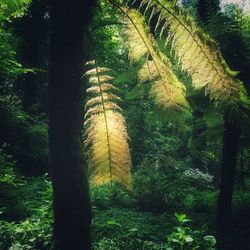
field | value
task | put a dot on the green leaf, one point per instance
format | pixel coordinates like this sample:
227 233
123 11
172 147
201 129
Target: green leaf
180 230
189 239
19 230
180 217
113 223
186 220
175 240
210 239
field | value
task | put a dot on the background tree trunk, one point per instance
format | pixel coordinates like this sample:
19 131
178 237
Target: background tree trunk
231 138
33 31
72 215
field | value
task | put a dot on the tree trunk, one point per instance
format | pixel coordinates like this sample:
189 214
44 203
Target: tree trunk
33 29
231 137
206 9
72 213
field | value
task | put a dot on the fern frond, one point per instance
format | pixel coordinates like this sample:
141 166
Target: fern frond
102 79
104 97
167 90
109 156
198 54
96 89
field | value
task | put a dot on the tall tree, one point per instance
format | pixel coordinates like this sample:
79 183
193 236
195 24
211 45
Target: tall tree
72 213
206 11
231 136
32 29
207 8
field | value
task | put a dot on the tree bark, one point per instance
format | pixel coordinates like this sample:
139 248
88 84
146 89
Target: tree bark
207 9
32 29
72 213
231 137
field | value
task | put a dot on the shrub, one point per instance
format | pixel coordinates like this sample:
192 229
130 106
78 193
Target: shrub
7 166
35 231
159 188
184 237
103 197
198 178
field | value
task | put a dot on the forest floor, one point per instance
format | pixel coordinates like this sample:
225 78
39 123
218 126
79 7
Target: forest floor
25 221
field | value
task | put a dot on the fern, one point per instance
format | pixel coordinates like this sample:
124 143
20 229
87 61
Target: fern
167 90
109 157
198 54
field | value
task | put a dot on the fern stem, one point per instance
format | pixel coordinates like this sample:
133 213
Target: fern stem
105 119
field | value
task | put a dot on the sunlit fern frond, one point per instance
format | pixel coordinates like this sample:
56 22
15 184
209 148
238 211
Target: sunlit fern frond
167 90
108 155
197 53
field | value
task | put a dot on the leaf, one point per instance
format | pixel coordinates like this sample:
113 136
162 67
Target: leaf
189 239
175 240
211 239
167 90
106 132
201 58
180 217
113 223
19 230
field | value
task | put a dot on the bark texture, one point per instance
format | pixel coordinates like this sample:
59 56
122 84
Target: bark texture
231 138
72 213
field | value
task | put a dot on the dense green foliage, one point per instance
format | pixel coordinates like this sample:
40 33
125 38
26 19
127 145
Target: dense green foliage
175 155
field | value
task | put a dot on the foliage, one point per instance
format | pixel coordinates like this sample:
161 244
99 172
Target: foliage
167 90
7 174
9 10
175 161
209 69
115 244
171 186
128 229
200 178
109 157
26 136
35 231
104 197
183 237
122 229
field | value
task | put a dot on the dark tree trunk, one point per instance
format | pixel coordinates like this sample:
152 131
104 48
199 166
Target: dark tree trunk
33 53
206 9
231 137
72 213
242 172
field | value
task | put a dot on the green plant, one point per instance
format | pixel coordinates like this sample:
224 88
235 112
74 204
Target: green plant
10 10
106 196
34 231
183 237
7 164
